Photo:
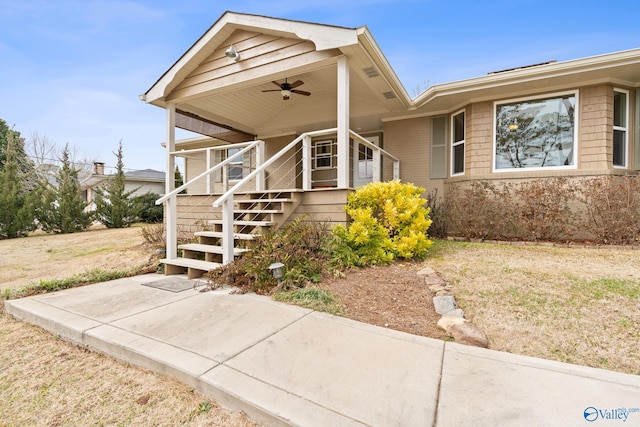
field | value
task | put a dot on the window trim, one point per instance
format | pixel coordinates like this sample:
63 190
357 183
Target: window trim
576 120
458 143
625 129
238 162
323 155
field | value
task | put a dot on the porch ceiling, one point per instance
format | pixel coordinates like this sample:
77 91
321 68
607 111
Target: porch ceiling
266 114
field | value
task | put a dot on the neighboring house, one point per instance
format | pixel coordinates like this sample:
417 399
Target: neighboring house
318 110
139 181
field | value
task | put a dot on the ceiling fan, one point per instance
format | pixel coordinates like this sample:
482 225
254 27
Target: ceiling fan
286 89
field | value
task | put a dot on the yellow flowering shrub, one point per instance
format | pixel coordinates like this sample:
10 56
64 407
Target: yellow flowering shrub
388 220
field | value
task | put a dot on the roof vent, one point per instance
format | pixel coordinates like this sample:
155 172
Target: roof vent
371 72
389 95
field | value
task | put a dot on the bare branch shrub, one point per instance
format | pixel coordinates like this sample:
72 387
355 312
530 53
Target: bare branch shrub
613 206
480 210
543 209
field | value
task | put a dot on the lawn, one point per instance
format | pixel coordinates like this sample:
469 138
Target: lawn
572 304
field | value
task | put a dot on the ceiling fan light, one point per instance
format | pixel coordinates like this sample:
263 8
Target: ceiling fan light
285 94
232 53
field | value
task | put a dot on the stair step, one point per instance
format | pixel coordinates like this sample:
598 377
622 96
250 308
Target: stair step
257 211
250 201
192 263
242 222
218 234
212 249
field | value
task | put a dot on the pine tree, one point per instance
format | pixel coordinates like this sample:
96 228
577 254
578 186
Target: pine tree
115 207
16 202
62 208
177 179
7 133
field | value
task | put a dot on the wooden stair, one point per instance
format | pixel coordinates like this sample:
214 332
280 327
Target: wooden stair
254 213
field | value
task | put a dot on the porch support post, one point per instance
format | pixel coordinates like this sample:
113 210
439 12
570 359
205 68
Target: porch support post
227 230
306 163
343 123
377 170
171 211
260 180
396 169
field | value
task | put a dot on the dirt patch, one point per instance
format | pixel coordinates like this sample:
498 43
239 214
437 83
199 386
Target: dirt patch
391 296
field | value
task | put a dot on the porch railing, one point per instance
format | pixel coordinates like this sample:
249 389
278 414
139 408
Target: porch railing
170 198
225 202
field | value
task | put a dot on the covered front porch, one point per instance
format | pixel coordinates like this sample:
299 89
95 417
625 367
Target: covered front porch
291 115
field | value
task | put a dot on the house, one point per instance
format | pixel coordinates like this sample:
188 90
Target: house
139 181
296 114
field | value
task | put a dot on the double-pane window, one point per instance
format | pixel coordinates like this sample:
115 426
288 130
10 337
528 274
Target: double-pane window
620 114
457 143
536 133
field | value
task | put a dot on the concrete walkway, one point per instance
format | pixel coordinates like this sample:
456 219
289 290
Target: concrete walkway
285 365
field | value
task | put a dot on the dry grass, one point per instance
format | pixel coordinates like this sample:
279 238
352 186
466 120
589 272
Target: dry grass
575 305
49 256
45 381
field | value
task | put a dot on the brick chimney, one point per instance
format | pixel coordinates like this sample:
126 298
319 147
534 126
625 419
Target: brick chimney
98 168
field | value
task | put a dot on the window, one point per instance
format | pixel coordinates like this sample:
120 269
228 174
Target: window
236 166
536 133
620 114
457 143
323 154
438 148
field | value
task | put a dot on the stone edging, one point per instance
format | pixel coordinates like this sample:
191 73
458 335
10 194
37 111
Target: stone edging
452 320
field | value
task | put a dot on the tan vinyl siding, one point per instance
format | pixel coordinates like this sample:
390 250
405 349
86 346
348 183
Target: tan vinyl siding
259 54
479 139
195 164
595 136
284 172
409 141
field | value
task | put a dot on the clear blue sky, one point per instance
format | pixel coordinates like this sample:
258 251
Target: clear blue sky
72 70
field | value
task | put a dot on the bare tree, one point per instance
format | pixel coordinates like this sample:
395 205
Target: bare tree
45 156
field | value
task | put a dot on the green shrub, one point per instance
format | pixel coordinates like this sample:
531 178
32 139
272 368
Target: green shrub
388 220
299 246
149 212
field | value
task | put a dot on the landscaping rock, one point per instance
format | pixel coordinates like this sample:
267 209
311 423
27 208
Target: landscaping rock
469 334
455 313
444 304
437 288
446 322
426 271
434 279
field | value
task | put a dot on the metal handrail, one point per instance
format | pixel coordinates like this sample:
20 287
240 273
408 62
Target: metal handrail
208 172
268 163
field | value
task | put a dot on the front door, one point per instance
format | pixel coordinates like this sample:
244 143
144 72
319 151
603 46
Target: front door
363 162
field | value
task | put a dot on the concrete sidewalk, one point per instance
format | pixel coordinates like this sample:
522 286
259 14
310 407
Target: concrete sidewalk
285 365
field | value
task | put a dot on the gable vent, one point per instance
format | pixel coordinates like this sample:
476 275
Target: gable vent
371 72
389 95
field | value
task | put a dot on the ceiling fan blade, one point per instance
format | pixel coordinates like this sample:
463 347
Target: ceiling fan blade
273 90
296 84
276 83
301 92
